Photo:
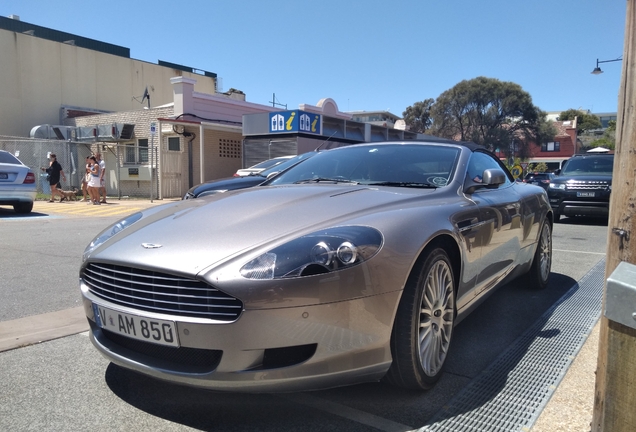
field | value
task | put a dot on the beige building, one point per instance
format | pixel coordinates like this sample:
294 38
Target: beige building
48 75
195 138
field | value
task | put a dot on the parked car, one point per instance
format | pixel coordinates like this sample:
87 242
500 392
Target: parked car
539 179
255 169
352 266
232 183
583 186
17 183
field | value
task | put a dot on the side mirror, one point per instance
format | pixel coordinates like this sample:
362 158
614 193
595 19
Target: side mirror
557 172
491 179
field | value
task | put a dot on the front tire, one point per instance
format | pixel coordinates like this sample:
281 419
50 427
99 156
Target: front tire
424 324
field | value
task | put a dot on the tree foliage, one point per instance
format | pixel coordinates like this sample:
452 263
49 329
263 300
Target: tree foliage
418 116
584 122
540 167
493 113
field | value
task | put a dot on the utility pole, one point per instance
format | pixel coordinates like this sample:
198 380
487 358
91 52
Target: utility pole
615 393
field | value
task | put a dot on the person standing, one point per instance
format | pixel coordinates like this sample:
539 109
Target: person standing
93 182
85 178
54 172
102 182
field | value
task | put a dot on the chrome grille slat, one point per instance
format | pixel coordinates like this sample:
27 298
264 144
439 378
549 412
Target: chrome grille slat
94 280
155 300
162 310
160 292
587 187
151 283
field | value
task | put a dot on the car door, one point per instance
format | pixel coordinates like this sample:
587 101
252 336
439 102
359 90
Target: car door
501 215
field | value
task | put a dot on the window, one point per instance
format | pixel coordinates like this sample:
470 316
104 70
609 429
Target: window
137 154
479 162
143 150
174 144
551 147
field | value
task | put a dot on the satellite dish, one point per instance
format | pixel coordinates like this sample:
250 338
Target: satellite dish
146 96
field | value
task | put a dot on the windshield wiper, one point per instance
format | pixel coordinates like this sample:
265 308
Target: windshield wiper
404 184
326 180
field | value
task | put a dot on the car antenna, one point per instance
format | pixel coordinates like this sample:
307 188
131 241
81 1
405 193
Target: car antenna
325 141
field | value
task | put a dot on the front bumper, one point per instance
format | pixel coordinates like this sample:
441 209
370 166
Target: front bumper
265 350
569 203
580 208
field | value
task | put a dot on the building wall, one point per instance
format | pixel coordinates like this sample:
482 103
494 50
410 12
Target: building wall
222 154
39 76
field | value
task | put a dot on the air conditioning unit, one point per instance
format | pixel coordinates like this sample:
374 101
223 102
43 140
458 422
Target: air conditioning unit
86 134
137 172
46 131
115 132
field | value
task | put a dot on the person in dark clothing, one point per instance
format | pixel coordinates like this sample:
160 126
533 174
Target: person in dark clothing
54 172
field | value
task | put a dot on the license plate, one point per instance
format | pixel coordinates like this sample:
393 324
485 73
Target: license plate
4 176
157 331
585 194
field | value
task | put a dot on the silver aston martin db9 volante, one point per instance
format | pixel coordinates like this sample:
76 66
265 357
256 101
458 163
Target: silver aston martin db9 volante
352 266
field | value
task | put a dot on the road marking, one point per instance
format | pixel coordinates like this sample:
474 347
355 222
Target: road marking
581 252
92 210
347 412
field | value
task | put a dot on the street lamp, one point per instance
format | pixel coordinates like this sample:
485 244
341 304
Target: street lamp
597 70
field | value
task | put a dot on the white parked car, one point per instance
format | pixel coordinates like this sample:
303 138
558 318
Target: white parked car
17 183
255 169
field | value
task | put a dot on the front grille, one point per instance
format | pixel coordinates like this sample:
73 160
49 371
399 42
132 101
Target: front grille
153 291
587 185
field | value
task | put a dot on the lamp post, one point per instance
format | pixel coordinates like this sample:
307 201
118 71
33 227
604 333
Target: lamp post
597 70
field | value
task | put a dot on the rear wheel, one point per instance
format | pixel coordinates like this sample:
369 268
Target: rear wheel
424 324
23 207
542 262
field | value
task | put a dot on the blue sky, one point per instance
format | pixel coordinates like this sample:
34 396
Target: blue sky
365 54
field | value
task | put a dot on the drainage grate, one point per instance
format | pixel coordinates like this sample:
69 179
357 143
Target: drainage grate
511 393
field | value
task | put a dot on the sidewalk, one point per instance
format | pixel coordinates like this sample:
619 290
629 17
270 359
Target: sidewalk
571 406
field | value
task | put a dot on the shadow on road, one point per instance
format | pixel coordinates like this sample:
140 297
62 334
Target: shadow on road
479 340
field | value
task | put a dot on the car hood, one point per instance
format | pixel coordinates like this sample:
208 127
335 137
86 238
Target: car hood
229 183
196 234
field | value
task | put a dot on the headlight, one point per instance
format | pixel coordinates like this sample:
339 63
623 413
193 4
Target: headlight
316 253
109 232
557 186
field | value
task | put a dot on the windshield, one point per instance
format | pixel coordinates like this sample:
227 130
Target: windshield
401 165
586 166
283 166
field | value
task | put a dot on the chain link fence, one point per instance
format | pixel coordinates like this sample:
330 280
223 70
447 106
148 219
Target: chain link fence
130 169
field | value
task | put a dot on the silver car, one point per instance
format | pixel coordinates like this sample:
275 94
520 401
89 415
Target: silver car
17 183
352 266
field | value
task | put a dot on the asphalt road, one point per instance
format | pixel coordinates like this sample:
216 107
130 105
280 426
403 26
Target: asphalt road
64 384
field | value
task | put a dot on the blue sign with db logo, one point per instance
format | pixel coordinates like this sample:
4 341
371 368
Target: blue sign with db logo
295 121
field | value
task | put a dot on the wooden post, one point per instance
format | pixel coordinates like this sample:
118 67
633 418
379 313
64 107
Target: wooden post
615 394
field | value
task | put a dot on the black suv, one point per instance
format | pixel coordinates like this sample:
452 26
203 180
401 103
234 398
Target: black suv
583 186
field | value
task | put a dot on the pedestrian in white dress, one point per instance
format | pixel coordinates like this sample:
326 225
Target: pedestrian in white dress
94 181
